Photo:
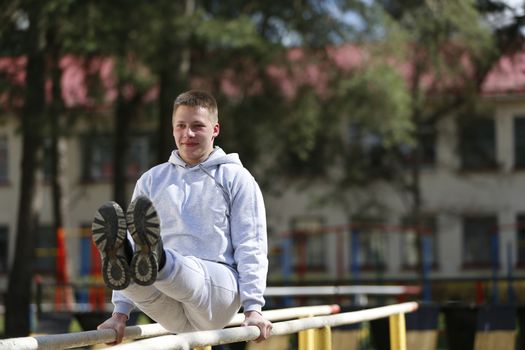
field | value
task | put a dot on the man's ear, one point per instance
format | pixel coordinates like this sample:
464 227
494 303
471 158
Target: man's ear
216 130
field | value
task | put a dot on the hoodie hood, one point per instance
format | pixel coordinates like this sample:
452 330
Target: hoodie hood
217 157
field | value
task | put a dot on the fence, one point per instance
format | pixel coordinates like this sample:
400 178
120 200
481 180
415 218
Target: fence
314 331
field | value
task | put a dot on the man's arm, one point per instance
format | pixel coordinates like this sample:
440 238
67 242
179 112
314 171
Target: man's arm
248 232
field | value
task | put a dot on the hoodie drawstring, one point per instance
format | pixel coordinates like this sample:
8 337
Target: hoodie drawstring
225 193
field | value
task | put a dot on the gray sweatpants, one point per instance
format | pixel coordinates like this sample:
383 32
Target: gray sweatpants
189 294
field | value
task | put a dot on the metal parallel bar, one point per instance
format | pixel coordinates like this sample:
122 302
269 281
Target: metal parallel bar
292 312
187 340
87 338
203 348
73 340
397 327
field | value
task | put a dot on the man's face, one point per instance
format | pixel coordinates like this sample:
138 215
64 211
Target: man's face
194 133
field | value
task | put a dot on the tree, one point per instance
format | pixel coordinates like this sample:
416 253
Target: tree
450 43
19 289
102 32
55 116
257 113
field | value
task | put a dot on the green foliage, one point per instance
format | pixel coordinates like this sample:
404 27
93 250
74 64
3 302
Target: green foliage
241 39
377 98
228 34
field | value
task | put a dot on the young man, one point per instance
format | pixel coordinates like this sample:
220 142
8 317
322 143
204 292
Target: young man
198 229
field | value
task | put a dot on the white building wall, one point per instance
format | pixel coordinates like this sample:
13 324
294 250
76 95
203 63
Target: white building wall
447 191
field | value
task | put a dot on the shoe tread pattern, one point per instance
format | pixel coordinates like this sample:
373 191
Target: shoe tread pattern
144 226
108 234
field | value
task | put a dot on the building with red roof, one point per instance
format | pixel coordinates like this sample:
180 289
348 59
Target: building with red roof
466 202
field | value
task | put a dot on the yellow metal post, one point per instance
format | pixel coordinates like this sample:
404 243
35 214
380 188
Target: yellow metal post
323 338
307 339
398 340
203 348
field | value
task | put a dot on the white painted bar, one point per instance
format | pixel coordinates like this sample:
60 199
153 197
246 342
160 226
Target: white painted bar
292 312
191 340
72 340
341 290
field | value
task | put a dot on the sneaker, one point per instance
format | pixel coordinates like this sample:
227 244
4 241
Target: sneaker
109 235
144 227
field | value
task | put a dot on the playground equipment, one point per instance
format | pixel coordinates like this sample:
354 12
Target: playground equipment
314 331
72 340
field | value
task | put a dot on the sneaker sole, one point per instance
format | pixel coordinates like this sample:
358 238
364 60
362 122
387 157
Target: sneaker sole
144 226
109 233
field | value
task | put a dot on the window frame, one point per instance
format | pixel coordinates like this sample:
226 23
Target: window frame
375 241
46 263
520 242
306 231
472 140
104 167
518 142
489 229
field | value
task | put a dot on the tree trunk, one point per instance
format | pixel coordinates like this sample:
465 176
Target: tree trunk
18 297
169 84
415 185
120 151
126 111
63 294
164 132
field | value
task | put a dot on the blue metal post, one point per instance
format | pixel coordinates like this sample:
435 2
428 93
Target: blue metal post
286 259
427 266
354 265
354 248
510 277
495 265
286 262
85 263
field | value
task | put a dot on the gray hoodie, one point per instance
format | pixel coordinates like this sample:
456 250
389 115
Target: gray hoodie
213 211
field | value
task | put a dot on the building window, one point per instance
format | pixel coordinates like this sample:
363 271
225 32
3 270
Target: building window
98 157
3 159
519 142
478 235
46 250
140 156
368 245
477 143
366 146
520 228
411 246
4 234
427 144
309 244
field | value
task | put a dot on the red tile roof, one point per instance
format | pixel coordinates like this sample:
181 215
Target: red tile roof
507 78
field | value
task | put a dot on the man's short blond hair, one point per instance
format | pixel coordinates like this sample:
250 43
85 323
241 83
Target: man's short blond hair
198 98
